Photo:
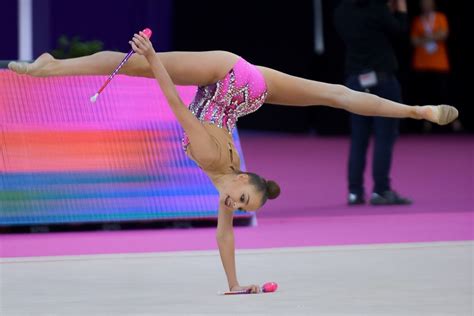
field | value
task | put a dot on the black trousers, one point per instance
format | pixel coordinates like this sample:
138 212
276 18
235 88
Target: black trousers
385 132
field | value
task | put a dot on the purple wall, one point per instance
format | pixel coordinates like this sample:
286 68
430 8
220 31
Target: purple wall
9 30
111 21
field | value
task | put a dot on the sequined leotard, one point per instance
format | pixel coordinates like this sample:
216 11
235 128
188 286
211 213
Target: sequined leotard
240 92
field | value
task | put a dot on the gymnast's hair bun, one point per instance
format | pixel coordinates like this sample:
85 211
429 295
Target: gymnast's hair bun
273 189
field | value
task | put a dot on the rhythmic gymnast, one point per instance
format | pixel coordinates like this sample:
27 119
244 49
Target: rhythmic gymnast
228 87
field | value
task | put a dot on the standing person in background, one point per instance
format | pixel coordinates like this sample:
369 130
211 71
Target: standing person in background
367 27
429 33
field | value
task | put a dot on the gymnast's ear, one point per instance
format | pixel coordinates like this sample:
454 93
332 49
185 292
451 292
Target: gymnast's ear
242 176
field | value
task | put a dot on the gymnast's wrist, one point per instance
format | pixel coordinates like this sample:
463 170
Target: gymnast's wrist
150 56
233 285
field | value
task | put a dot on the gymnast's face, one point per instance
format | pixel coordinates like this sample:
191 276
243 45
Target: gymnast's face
239 194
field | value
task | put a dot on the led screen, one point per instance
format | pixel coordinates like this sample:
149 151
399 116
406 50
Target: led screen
64 159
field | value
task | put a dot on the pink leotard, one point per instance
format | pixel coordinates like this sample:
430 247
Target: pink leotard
240 92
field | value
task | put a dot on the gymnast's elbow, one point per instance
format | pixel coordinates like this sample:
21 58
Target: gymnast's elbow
173 99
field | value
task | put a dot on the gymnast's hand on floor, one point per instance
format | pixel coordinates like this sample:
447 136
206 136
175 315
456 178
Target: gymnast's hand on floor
252 288
141 45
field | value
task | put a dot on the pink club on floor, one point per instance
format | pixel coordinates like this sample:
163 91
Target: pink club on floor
269 287
266 288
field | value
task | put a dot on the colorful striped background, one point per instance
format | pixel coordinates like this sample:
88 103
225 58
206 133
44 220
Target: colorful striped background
64 159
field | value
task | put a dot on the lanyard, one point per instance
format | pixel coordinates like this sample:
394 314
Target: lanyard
428 22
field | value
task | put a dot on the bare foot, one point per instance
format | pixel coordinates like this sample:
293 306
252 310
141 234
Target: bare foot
36 68
442 114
